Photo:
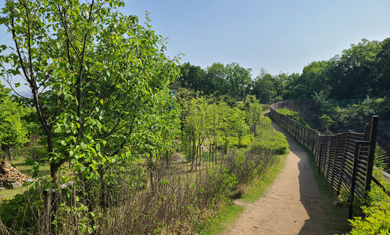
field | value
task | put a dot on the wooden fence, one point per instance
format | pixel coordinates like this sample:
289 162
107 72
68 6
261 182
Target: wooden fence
345 159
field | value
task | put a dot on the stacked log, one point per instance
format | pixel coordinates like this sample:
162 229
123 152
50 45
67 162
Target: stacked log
10 175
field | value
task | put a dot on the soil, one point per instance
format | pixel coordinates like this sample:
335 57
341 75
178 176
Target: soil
292 205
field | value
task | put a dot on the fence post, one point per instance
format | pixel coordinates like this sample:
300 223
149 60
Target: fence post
47 209
342 165
353 180
320 159
371 154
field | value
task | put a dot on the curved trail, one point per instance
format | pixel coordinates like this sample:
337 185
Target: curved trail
292 205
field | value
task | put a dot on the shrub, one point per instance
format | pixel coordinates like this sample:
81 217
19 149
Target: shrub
376 218
269 139
292 114
377 215
246 141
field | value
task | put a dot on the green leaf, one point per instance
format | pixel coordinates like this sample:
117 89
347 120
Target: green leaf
17 84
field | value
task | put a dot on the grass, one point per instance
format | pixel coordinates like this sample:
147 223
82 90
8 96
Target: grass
228 213
336 216
20 165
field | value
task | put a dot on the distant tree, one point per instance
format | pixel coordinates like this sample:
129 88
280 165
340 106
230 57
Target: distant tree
238 80
381 85
216 75
299 92
353 75
264 88
194 78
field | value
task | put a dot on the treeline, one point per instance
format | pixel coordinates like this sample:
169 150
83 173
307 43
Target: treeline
359 71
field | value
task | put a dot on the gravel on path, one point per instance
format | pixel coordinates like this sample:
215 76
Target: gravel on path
292 205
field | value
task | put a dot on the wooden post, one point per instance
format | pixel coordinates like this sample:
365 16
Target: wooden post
342 164
320 158
353 180
371 154
47 209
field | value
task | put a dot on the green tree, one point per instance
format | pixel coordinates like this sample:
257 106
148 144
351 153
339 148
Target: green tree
255 114
238 80
264 88
194 78
240 128
12 131
216 75
95 76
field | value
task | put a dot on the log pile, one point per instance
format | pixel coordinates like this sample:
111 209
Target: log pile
10 175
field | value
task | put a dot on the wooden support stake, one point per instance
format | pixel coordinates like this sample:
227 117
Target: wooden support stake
371 154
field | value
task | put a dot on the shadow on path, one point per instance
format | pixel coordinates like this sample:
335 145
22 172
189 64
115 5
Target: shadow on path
308 189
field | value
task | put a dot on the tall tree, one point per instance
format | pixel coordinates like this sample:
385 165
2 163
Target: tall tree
194 78
94 73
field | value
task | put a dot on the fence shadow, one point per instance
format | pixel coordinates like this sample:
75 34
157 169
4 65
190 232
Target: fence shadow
309 193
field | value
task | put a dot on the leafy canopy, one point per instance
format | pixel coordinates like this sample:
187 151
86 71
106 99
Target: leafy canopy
98 79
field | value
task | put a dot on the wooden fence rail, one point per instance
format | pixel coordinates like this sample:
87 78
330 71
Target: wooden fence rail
345 159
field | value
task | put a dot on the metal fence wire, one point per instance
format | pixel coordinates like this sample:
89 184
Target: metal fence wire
345 159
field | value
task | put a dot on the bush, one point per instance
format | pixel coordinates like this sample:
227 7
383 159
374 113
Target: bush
382 107
20 213
246 141
377 215
269 139
376 218
293 115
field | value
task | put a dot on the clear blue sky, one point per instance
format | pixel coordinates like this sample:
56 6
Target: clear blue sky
277 35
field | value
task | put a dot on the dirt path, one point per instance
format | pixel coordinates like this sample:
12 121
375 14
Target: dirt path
292 205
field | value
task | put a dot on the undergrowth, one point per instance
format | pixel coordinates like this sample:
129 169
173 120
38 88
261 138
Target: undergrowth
143 197
293 115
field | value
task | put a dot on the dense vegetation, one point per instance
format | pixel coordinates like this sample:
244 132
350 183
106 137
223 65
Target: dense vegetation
144 160
360 71
217 154
151 144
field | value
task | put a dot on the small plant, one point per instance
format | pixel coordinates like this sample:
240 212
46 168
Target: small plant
326 122
380 157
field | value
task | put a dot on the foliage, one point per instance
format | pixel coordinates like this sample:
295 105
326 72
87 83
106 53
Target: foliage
320 98
246 141
380 157
255 114
269 140
96 77
219 79
326 122
377 213
293 115
299 92
13 132
20 212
